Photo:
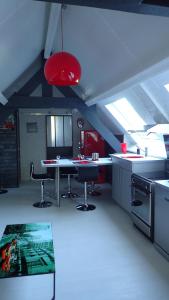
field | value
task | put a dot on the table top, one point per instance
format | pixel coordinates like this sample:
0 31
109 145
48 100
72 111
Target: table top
26 249
75 162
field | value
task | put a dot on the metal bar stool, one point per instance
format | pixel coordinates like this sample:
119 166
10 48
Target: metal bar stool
69 172
87 174
42 178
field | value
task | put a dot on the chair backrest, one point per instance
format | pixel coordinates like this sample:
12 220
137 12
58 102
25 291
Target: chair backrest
66 171
31 168
87 173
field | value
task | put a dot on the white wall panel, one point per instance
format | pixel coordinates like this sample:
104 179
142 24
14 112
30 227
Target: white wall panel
22 38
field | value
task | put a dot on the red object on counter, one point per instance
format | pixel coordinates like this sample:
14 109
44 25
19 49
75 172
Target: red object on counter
91 141
50 161
132 156
123 148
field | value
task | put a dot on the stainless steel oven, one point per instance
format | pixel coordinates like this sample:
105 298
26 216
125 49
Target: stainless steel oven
142 203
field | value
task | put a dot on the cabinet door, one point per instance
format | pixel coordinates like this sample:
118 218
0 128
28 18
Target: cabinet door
125 176
161 218
115 182
121 187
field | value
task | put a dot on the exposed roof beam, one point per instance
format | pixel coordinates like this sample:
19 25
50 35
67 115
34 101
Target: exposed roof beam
23 83
42 102
67 91
52 27
157 2
32 83
3 99
133 6
115 91
91 115
154 99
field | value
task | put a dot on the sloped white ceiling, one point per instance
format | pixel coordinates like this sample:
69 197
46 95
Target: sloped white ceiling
22 32
112 46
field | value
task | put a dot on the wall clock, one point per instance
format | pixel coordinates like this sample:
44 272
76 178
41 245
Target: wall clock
80 123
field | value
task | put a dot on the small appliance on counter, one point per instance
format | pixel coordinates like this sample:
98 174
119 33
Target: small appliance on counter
95 156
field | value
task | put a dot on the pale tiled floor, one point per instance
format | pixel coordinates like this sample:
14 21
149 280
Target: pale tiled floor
99 255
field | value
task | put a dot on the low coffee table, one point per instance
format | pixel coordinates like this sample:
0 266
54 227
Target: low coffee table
27 249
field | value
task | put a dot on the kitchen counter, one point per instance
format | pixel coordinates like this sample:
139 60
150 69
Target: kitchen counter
122 169
137 163
164 183
135 157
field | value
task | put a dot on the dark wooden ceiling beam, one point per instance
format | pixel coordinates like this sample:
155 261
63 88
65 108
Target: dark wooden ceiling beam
157 2
67 91
32 84
148 7
42 102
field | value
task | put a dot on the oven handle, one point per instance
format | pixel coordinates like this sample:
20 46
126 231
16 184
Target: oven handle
140 189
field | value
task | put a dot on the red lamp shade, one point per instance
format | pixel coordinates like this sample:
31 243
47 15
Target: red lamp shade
62 69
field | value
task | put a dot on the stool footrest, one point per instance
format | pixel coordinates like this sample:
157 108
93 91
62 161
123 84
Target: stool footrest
43 204
94 193
70 195
85 207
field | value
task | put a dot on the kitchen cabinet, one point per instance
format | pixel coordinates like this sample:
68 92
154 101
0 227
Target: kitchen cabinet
161 219
121 186
122 170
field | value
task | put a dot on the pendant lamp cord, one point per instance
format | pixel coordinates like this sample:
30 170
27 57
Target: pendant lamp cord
62 26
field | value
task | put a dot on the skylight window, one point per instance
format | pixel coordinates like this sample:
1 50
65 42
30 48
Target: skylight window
167 87
125 114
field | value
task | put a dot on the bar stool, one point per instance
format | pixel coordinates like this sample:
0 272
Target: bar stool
87 174
69 172
42 178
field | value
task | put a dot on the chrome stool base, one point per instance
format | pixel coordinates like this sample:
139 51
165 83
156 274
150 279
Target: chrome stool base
43 204
85 207
69 195
3 191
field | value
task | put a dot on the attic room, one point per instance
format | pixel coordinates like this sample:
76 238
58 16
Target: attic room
84 170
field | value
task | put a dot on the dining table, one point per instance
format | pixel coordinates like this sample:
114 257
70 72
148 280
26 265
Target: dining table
69 163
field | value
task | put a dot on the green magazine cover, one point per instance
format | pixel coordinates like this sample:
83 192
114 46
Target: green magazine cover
26 249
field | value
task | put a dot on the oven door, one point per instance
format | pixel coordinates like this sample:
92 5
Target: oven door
141 202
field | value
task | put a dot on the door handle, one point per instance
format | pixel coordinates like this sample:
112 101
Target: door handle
166 199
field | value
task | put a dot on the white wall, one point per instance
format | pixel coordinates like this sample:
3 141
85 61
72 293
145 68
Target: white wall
32 145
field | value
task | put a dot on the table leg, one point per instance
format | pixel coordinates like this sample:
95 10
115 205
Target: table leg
57 185
53 298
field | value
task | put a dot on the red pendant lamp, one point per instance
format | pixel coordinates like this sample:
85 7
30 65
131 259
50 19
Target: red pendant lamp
62 68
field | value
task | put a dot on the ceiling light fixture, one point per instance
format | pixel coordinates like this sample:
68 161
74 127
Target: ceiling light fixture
62 68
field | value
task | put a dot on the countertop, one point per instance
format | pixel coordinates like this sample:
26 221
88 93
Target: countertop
164 183
72 163
135 157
